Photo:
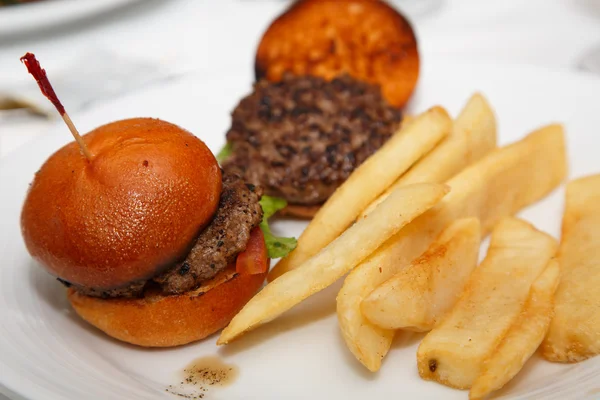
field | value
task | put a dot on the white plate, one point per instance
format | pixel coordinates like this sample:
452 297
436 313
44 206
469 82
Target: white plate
47 353
28 17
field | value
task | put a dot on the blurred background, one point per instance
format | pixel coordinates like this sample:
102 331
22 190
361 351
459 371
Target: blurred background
95 49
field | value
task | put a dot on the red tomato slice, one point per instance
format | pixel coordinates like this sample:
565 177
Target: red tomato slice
254 260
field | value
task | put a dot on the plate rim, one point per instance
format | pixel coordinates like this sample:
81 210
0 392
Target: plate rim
17 19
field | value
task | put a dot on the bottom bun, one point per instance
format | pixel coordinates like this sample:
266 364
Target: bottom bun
299 211
158 320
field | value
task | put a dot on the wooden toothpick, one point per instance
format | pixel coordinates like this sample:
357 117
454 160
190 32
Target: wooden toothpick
34 68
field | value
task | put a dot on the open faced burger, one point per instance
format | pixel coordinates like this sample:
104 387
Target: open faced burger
332 76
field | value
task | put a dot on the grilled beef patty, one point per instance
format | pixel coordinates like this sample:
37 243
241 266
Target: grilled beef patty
219 244
302 137
216 247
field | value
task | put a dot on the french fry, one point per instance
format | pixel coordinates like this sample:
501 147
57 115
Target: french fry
336 259
454 351
473 136
369 180
418 296
523 338
574 333
498 185
407 119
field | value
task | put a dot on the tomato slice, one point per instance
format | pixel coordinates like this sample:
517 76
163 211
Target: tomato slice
254 260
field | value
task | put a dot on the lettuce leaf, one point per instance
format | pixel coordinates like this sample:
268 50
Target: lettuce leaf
224 152
277 247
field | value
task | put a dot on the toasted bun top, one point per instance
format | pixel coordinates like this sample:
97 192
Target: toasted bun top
126 214
367 39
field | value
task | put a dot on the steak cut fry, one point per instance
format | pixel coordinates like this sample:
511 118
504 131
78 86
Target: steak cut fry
337 258
574 333
454 351
498 185
419 295
367 182
523 338
473 136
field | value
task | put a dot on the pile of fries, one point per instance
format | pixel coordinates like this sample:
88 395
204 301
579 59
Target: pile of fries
407 226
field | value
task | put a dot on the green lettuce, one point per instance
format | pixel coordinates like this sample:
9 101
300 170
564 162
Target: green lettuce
277 247
224 152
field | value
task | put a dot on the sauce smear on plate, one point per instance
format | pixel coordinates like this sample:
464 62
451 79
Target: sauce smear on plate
201 374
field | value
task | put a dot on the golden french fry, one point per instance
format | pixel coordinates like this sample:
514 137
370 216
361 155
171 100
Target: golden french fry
337 258
496 186
454 351
418 296
407 119
369 180
574 333
473 136
523 337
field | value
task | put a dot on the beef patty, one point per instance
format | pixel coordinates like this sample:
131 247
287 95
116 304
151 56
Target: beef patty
302 137
216 247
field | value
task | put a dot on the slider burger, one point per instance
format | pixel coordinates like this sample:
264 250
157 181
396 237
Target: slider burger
157 246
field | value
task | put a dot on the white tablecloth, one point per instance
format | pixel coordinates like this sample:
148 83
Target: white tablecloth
218 34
